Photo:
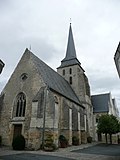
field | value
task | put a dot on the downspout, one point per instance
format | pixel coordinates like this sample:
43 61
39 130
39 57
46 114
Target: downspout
44 117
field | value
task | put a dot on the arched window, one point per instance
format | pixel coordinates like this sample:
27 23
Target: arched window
56 113
20 105
70 80
70 70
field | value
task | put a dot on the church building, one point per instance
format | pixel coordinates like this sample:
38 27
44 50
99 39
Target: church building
38 101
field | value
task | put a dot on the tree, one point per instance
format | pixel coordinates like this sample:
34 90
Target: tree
108 124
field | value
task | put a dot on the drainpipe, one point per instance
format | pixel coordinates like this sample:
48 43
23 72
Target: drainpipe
44 116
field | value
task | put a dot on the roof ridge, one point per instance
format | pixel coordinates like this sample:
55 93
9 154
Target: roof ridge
101 94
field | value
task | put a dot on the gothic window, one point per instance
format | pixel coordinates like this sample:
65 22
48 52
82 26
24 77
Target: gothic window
70 80
70 70
63 72
20 105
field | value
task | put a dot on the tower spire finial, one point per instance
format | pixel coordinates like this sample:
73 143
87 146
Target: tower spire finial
30 47
70 21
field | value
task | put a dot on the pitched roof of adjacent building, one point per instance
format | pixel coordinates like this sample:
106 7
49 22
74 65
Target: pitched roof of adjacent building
100 102
52 79
117 59
1 65
70 58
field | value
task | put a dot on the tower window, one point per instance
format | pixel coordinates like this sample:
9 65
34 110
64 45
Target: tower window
70 70
63 72
20 105
70 80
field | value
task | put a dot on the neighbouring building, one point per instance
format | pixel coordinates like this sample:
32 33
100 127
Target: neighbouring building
117 59
38 101
115 109
103 104
1 65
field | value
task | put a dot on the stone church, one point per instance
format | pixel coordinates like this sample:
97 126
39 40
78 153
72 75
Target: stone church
38 101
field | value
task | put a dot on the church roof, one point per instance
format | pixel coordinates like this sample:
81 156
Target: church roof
70 58
100 102
53 80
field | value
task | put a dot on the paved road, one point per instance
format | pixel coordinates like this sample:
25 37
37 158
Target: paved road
82 152
29 156
101 149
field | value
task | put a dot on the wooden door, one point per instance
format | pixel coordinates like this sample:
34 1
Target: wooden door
17 130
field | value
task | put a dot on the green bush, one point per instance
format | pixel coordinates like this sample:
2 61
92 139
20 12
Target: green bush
18 143
49 145
89 139
62 138
75 141
63 141
0 140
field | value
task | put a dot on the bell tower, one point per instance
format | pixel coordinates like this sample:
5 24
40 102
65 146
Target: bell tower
71 70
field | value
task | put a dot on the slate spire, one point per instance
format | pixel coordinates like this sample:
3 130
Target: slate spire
71 52
71 57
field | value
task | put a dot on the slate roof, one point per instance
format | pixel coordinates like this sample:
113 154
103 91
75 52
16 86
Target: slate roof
117 59
1 65
100 102
70 58
53 80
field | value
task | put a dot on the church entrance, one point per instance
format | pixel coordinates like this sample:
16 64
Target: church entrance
17 130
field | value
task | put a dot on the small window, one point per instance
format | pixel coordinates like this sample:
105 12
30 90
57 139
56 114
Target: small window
70 80
70 70
56 99
97 120
24 76
63 72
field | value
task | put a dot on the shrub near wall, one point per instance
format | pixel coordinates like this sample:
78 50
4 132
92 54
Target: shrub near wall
49 145
89 139
63 141
75 141
18 143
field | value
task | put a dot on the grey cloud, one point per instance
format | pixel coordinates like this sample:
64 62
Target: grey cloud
44 25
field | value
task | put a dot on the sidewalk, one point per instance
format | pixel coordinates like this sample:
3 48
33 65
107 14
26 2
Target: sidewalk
8 151
71 148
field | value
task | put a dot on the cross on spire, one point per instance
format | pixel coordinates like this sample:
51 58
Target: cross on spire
70 21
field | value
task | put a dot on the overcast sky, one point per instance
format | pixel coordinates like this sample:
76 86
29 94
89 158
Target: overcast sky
44 25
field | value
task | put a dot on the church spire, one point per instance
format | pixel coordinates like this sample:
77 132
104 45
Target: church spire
70 58
71 52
